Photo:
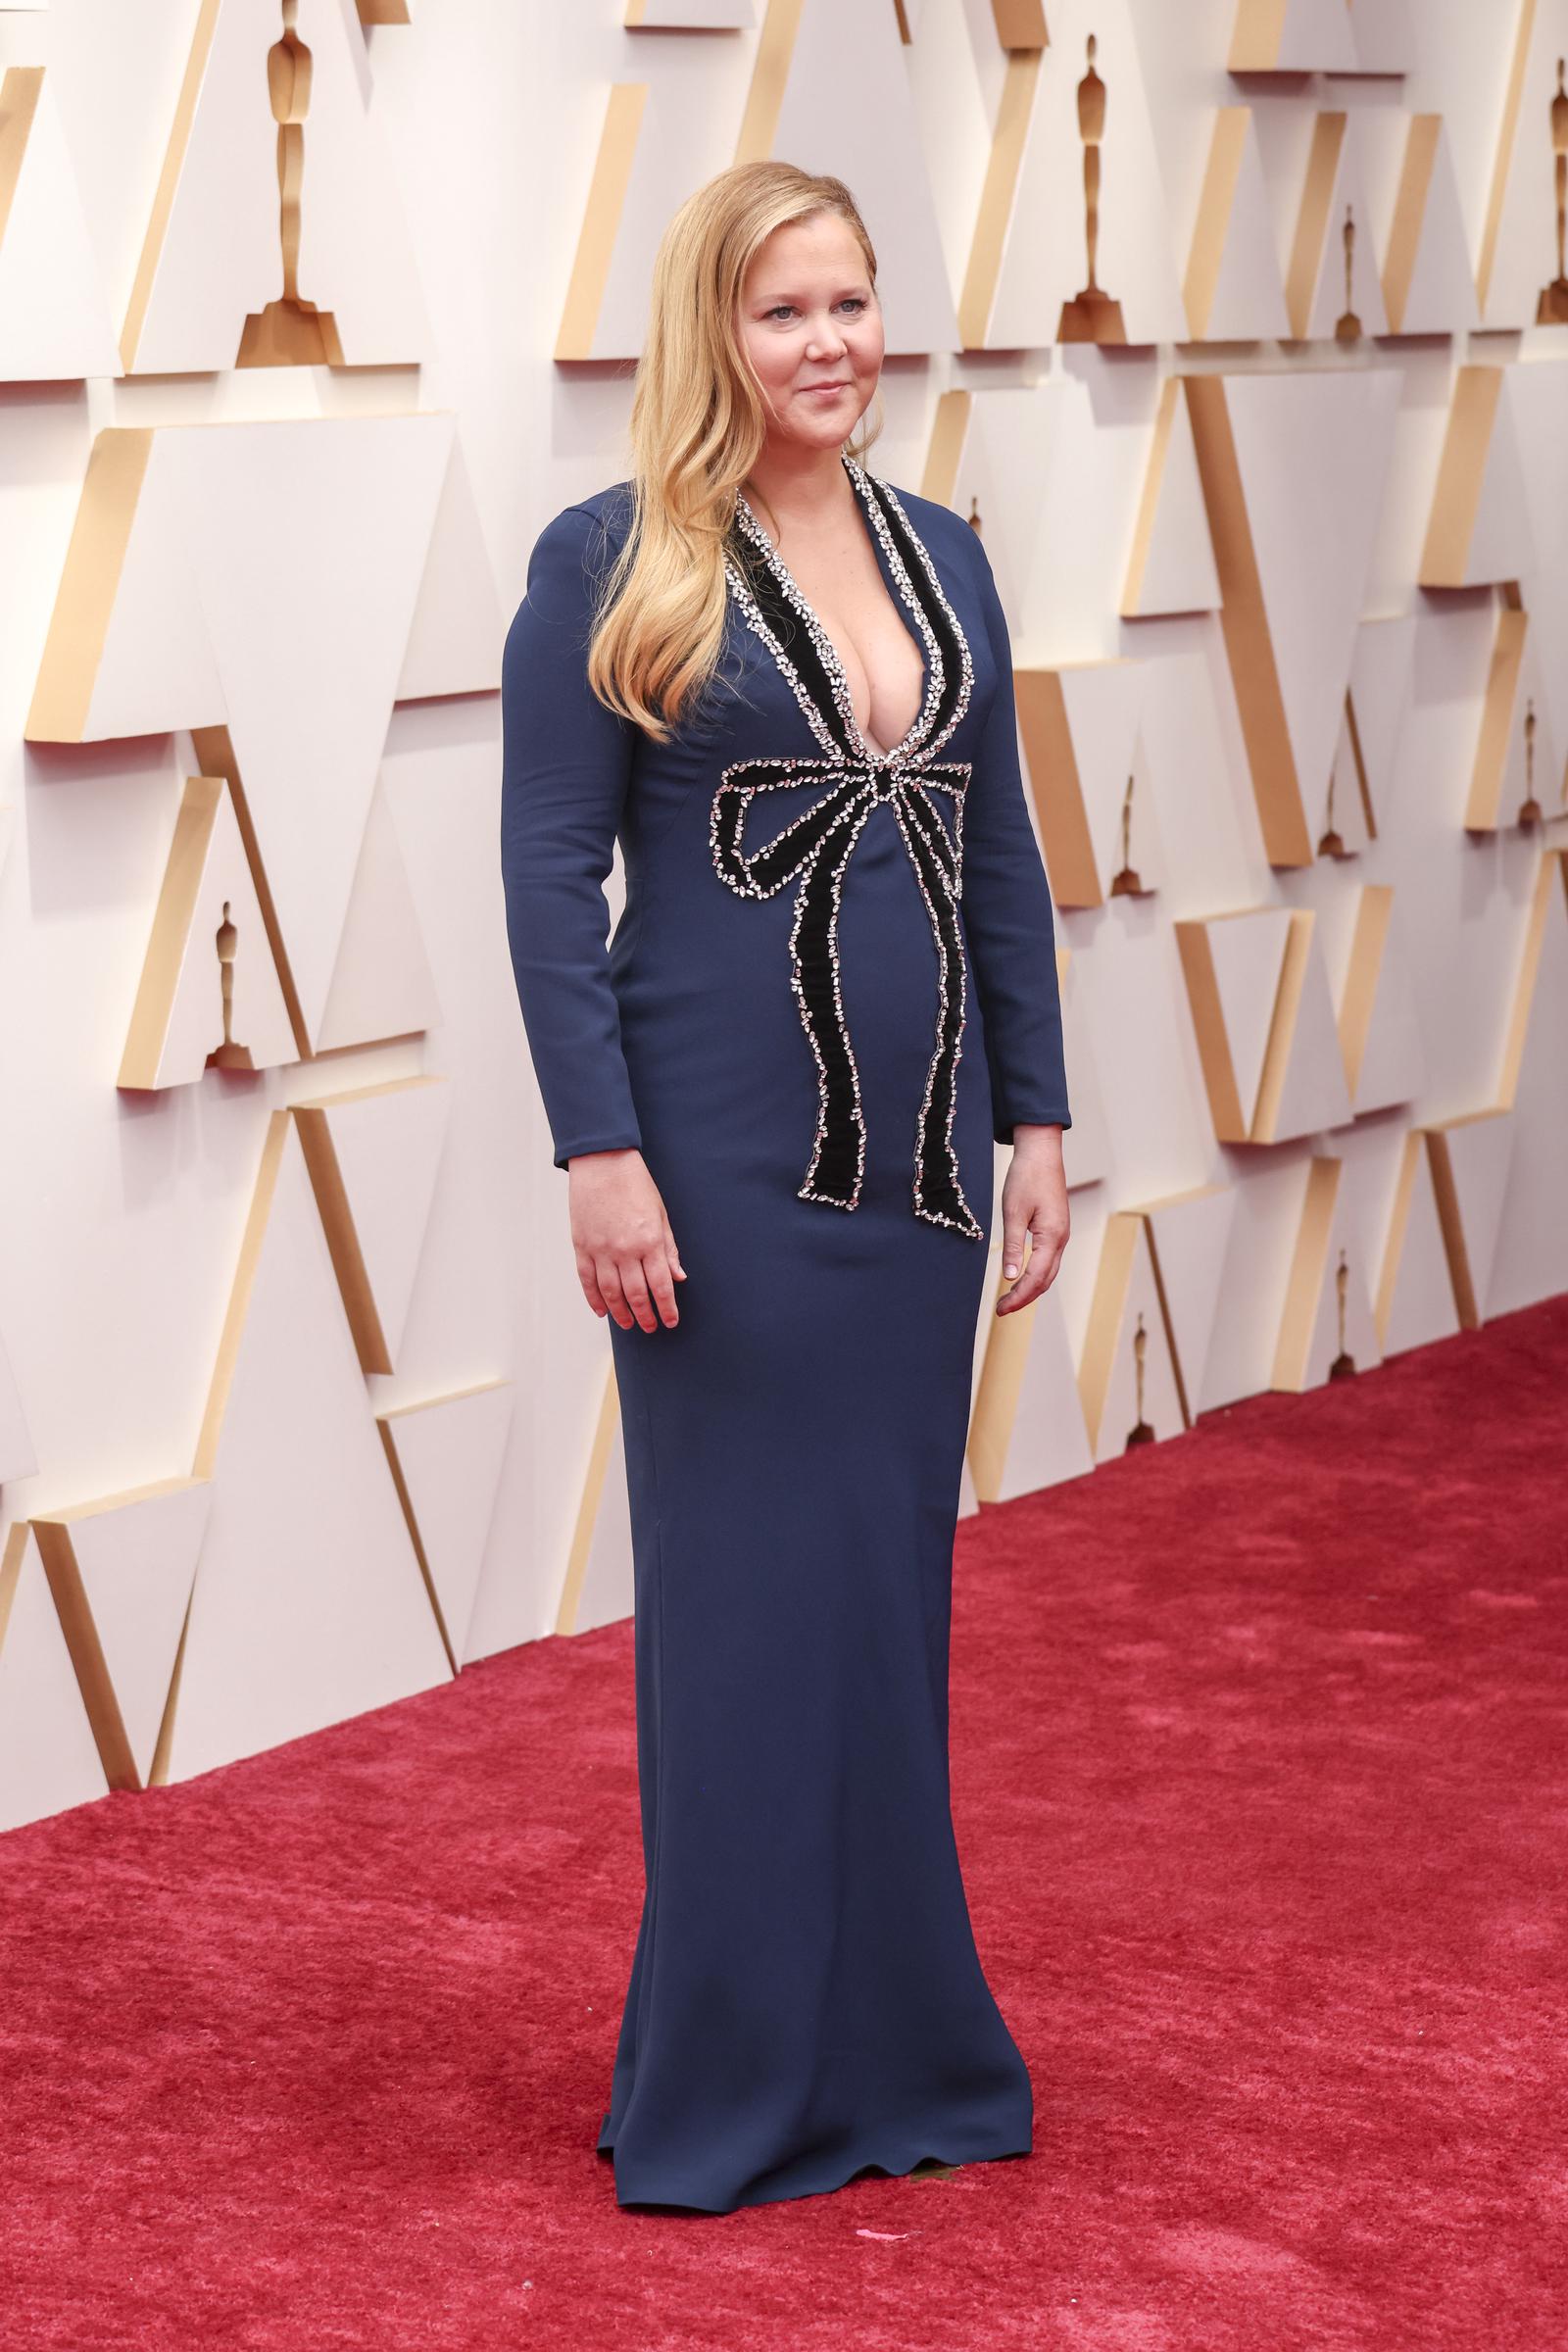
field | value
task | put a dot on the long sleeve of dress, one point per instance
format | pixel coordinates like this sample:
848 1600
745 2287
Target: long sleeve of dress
565 764
1007 910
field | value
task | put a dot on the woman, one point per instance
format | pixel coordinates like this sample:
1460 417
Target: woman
786 688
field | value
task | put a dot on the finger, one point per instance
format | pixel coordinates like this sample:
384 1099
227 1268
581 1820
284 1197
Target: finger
1029 1285
608 1274
1014 1225
634 1288
673 1253
589 1282
1031 1282
657 1267
1044 1256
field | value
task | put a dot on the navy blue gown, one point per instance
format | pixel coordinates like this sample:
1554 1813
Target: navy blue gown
833 983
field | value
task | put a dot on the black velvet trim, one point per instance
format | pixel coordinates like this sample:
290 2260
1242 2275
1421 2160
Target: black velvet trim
814 850
937 1190
816 847
789 630
931 606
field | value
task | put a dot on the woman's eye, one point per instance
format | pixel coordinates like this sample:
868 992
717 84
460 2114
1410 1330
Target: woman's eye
855 302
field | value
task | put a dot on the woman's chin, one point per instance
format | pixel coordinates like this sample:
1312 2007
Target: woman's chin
828 428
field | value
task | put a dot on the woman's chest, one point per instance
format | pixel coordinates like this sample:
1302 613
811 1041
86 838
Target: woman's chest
883 662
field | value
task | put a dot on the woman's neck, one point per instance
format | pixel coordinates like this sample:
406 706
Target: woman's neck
806 488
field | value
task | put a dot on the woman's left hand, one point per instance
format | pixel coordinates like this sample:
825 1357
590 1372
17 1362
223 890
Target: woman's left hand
1034 1202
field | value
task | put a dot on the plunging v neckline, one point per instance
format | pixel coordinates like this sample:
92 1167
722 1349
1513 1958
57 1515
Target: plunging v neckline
896 578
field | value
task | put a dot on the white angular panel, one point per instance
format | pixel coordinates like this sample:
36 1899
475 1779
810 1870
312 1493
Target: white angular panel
18 1455
1029 1396
1234 289
1101 701
1191 1232
48 1756
1316 1327
1292 37
1394 1060
1045 261
1342 807
1003 475
177 1018
689 16
324 601
1068 461
1198 780
1334 202
1264 1237
1312 450
1382 670
458 629
1313 1096
605 1590
1415 1290
1532 762
382 984
136 1555
1086 1155
213 257
54 313
848 93
309 1604
1479 530
449 1452
1480 1147
297 650
1518 258
1531 1260
1538 401
386 1141
1125 1315
1249 953
1172 568
1384 36
128 651
1427 273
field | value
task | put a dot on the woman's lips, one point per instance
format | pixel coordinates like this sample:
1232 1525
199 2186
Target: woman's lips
823 391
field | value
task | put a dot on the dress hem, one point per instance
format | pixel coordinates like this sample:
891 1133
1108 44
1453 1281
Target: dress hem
896 2164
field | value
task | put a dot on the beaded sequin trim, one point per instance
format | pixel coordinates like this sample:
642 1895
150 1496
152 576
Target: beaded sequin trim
815 848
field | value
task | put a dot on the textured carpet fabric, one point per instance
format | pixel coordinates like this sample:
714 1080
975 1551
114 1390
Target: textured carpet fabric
1260 1775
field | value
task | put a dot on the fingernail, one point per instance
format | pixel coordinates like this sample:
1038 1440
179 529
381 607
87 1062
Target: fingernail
1011 1269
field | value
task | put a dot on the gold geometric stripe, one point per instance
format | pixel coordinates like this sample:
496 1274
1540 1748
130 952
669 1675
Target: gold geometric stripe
1255 674
601 220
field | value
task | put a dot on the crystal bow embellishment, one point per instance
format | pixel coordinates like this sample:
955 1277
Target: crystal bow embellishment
814 850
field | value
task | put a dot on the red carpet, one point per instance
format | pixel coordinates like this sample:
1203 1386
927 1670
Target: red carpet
1260 1773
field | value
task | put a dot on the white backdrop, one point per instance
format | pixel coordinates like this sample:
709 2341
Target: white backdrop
301 1407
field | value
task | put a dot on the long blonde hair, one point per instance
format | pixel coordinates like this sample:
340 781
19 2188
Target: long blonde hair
698 425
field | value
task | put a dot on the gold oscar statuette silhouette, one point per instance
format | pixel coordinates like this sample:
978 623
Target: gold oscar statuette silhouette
1332 845
1553 308
1529 807
228 1055
975 523
1344 1364
1348 326
1092 317
290 332
1124 883
1140 1434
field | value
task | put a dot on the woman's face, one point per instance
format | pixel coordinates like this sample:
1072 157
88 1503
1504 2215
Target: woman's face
811 327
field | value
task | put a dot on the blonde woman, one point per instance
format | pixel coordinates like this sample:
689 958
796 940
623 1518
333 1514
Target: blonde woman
785 686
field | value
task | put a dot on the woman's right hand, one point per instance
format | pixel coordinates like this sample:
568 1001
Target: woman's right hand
627 1262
